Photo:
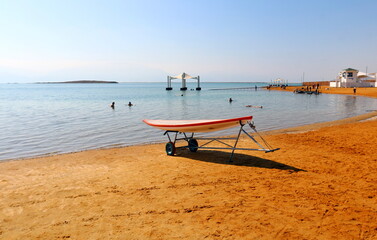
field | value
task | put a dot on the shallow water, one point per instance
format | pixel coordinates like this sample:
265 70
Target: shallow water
37 119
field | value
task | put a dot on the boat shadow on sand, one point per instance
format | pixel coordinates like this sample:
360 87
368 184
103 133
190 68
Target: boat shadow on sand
239 159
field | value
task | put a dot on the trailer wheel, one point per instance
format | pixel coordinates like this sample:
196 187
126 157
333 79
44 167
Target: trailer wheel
193 145
170 149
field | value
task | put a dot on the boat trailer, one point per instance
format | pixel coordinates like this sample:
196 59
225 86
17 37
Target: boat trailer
193 145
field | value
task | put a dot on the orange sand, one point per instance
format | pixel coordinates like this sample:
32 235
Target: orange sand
367 92
322 184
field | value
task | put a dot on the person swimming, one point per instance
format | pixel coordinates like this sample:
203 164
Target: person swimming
112 105
230 100
130 104
251 106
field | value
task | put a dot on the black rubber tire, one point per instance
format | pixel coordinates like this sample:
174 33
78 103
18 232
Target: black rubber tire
170 149
193 145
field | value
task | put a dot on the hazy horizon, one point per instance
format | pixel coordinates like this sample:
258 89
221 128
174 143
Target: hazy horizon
222 41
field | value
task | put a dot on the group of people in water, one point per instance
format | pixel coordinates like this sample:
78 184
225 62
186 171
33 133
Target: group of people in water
113 105
283 86
309 89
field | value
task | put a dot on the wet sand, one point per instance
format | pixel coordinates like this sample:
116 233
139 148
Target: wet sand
320 185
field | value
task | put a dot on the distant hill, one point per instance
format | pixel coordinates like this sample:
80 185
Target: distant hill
78 81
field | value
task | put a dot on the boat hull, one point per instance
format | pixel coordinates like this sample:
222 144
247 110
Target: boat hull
197 125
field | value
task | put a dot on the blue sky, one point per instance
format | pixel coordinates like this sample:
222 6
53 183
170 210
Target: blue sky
145 40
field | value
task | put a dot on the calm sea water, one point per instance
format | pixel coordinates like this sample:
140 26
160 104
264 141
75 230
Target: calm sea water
38 119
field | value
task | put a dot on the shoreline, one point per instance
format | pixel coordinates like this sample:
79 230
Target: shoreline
296 129
363 92
316 126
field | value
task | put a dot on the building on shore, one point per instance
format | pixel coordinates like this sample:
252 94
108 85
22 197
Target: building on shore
279 82
354 78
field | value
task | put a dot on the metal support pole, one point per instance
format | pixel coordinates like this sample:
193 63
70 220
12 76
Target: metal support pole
183 88
198 88
169 84
234 148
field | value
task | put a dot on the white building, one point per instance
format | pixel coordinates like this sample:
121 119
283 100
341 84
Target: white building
353 78
279 82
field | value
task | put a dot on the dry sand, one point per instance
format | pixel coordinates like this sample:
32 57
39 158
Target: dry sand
322 184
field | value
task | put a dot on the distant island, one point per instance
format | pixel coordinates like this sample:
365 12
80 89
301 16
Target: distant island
78 81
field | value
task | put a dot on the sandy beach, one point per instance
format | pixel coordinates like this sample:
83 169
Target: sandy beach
320 185
366 92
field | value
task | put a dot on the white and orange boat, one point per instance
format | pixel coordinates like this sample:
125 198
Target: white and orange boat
196 126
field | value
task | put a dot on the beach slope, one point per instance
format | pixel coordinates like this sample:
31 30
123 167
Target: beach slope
320 185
